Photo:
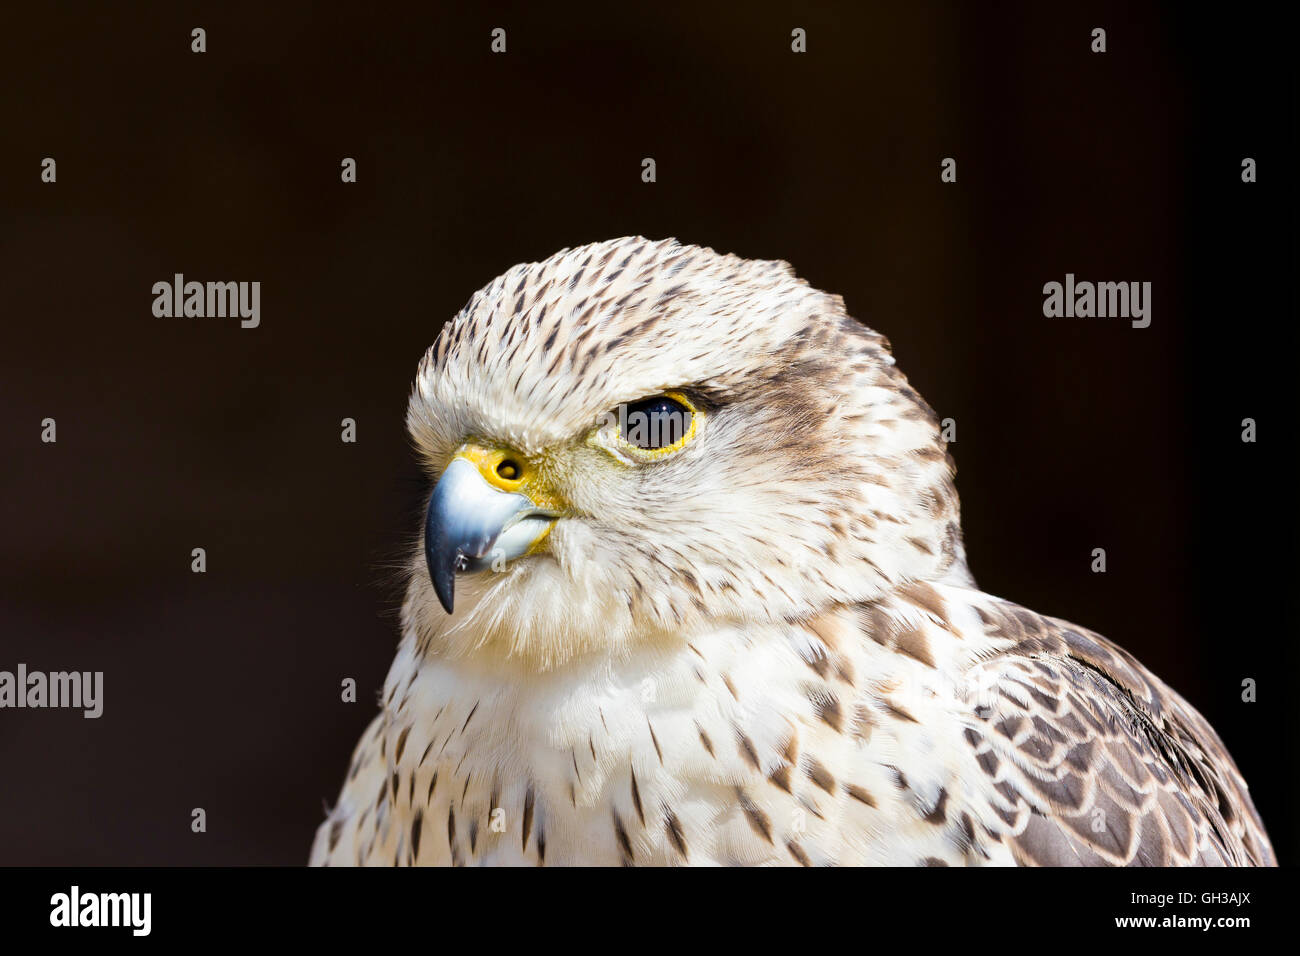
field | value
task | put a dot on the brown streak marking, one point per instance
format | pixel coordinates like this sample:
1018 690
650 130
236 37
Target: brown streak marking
746 747
925 596
937 815
780 777
820 775
726 679
828 712
757 818
528 817
704 739
675 834
636 797
472 712
798 853
914 644
899 712
655 740
624 843
859 794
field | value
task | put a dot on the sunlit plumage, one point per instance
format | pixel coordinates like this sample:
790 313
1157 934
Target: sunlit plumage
760 647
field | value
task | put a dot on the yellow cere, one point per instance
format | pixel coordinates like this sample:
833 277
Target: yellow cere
510 471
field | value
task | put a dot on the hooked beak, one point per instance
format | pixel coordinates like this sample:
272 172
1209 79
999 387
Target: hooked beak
479 519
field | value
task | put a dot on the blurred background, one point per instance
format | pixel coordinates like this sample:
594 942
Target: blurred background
222 690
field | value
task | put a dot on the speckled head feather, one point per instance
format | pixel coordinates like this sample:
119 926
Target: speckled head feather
818 474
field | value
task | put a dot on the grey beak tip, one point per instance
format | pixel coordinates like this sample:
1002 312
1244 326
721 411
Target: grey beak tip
465 518
445 587
440 562
442 575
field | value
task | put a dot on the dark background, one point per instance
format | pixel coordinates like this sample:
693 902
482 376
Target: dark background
222 690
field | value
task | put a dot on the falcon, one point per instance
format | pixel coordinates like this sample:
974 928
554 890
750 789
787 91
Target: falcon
691 590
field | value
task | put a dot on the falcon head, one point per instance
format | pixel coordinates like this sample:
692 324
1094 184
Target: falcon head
634 438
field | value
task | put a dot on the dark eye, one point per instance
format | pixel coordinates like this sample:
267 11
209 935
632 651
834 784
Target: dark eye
655 424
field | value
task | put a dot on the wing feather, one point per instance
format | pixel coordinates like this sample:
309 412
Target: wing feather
1095 762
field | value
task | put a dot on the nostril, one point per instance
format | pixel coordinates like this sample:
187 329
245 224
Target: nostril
509 470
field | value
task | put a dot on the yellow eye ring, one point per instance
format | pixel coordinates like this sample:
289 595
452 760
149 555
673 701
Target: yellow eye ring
653 454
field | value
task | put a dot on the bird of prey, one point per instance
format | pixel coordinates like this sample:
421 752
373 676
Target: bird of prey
692 590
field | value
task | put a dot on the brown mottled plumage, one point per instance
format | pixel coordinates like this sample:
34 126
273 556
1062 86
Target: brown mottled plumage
759 646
